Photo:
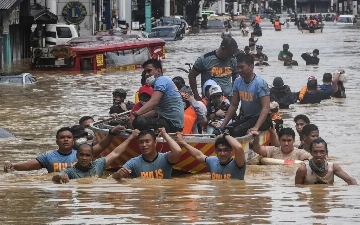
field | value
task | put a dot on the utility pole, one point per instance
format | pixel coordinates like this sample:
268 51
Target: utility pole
148 15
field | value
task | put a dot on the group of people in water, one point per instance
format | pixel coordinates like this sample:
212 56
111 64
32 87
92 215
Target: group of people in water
164 105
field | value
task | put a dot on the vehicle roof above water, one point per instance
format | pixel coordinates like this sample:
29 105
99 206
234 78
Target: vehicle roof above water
165 27
350 16
17 78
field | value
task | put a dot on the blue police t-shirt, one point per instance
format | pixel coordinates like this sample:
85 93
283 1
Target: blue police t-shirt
160 168
228 171
325 87
170 105
55 161
96 169
250 95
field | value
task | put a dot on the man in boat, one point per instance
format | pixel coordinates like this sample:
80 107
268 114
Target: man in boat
252 42
179 82
119 105
65 156
165 104
221 166
85 121
286 151
218 65
259 52
278 122
309 133
311 59
216 109
86 167
205 90
253 92
282 94
283 53
261 62
318 170
195 111
145 93
226 33
151 164
289 60
300 121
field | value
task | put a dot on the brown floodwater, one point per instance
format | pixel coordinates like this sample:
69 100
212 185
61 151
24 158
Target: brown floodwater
268 194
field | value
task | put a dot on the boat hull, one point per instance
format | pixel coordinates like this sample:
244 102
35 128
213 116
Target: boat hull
186 163
316 31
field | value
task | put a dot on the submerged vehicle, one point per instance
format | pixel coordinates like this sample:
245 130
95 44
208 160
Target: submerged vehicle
17 78
204 142
167 33
346 20
98 53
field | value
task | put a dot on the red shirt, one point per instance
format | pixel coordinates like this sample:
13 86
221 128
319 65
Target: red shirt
136 107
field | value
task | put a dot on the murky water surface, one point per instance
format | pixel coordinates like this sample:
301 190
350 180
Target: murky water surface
268 194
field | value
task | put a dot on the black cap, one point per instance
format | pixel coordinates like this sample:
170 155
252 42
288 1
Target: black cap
78 131
316 51
278 82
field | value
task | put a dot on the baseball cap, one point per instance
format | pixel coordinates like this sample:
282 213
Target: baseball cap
146 88
78 131
311 78
278 82
215 89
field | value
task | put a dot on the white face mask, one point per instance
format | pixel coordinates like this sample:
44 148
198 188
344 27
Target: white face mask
151 80
80 141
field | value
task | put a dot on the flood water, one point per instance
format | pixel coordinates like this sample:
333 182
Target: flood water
268 194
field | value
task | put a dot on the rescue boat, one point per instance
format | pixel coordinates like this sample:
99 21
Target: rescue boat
187 163
315 30
98 53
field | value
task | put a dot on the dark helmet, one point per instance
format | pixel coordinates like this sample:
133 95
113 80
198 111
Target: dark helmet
119 92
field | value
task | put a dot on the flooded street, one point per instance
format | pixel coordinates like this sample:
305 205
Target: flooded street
268 194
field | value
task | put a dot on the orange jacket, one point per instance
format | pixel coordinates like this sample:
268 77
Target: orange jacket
258 19
277 25
190 117
302 93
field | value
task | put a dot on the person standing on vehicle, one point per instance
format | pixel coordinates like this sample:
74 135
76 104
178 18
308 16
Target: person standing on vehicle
218 65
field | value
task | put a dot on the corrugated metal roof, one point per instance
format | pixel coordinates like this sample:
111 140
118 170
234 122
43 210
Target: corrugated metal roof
7 4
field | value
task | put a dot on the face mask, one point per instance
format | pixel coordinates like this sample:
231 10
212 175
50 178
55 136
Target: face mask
79 142
116 102
151 80
142 102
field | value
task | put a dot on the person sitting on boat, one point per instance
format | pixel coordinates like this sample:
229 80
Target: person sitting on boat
313 95
282 94
338 84
86 167
119 105
221 166
143 81
151 163
179 82
278 24
259 52
252 42
218 65
261 61
253 92
318 170
216 109
301 120
311 59
65 156
312 22
195 111
165 103
85 121
145 93
289 61
283 53
275 116
205 91
286 151
309 133
226 33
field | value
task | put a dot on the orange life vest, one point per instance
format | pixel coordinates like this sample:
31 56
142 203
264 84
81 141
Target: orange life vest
258 19
275 116
314 22
277 25
189 120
